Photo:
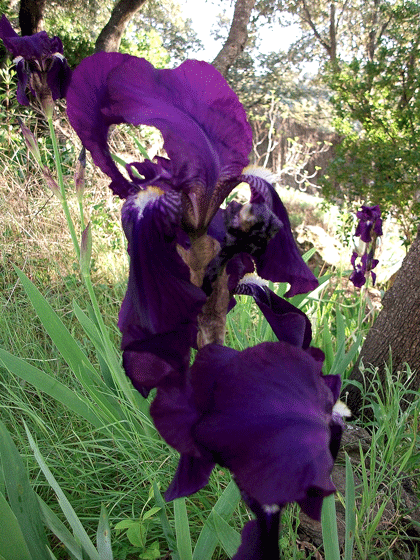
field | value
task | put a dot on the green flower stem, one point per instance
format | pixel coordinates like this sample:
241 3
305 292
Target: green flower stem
59 170
82 216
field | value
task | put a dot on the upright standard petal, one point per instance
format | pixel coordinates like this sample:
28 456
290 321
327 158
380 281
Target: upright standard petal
32 47
204 127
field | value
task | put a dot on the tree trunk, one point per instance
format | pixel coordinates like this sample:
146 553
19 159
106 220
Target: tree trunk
238 36
395 335
31 16
109 38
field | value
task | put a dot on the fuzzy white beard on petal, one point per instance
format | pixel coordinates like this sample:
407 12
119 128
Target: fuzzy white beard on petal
143 198
252 278
261 172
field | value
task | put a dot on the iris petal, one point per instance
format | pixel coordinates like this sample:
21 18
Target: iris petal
281 260
86 97
289 323
160 300
273 396
204 126
33 47
159 292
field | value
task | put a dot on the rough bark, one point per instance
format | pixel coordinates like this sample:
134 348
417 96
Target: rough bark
238 36
395 336
31 16
109 39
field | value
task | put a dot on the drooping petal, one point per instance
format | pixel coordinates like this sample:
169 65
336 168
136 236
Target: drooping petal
192 474
23 79
204 126
289 323
267 418
160 299
59 77
86 98
357 277
280 261
174 414
260 537
150 359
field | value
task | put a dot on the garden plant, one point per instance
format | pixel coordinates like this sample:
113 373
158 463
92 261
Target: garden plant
218 359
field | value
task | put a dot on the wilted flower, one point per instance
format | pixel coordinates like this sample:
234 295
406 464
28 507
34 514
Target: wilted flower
30 141
40 65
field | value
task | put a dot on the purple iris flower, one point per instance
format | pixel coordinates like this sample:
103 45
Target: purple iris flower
370 222
358 276
266 414
181 245
368 229
40 64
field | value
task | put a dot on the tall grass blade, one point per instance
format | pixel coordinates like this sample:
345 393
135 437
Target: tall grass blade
12 542
22 499
103 536
167 529
91 328
329 529
74 356
51 386
140 147
182 530
70 514
224 507
342 359
228 537
57 527
328 349
67 346
350 516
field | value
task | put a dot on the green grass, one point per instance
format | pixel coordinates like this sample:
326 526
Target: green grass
108 467
118 470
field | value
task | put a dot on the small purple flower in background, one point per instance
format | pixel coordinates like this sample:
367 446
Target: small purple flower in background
40 65
358 276
370 223
368 229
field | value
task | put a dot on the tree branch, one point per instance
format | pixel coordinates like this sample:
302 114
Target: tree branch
109 38
31 16
238 36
